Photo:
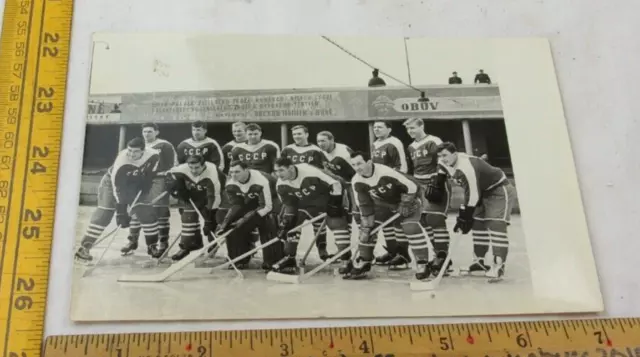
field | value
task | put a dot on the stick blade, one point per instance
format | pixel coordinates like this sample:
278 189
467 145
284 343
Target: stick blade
141 278
424 285
283 278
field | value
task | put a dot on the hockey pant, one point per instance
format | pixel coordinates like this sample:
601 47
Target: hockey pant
105 211
241 239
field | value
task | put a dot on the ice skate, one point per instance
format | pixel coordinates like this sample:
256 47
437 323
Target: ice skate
359 270
286 265
400 261
181 254
437 263
345 267
159 250
323 254
131 246
496 272
423 270
478 266
83 255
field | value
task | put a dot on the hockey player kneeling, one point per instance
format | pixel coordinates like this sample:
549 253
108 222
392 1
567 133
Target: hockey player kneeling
307 192
200 182
488 202
131 174
253 203
381 192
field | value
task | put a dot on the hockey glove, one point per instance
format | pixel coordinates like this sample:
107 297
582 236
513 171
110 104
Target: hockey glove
334 208
209 222
408 205
122 216
435 189
464 222
366 226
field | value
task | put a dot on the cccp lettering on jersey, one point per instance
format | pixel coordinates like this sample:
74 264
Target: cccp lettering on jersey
381 189
306 191
419 153
378 153
331 166
252 156
196 151
301 159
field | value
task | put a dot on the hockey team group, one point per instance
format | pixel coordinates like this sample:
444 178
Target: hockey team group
250 192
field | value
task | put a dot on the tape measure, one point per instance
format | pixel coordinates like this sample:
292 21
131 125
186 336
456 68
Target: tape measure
567 338
33 70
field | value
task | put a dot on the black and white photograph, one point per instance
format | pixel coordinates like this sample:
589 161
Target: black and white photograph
240 177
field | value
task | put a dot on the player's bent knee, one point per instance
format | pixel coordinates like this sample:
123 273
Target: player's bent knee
496 225
411 227
162 212
435 220
102 216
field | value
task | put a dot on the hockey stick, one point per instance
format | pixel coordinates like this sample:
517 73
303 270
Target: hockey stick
303 261
175 267
296 279
435 282
90 269
269 243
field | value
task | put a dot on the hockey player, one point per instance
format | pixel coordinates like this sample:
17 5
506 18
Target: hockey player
381 192
301 151
488 202
306 192
338 163
259 154
424 157
389 150
167 159
254 204
200 182
201 144
239 131
132 172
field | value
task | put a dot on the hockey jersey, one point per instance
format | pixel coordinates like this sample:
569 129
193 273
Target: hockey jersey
261 156
128 177
390 152
204 189
309 154
168 155
258 192
226 151
383 188
475 176
207 147
338 162
424 157
310 188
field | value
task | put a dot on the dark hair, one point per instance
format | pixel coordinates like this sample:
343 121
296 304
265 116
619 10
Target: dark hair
284 161
365 155
195 159
253 127
136 143
300 127
447 145
199 124
386 123
151 125
238 163
327 133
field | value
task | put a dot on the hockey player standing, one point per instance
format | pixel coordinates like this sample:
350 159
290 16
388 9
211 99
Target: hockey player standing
239 131
253 204
424 156
202 145
258 153
132 172
389 151
488 201
306 192
200 182
301 151
381 192
167 159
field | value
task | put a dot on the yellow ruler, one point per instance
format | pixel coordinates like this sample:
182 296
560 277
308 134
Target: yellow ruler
33 69
567 338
